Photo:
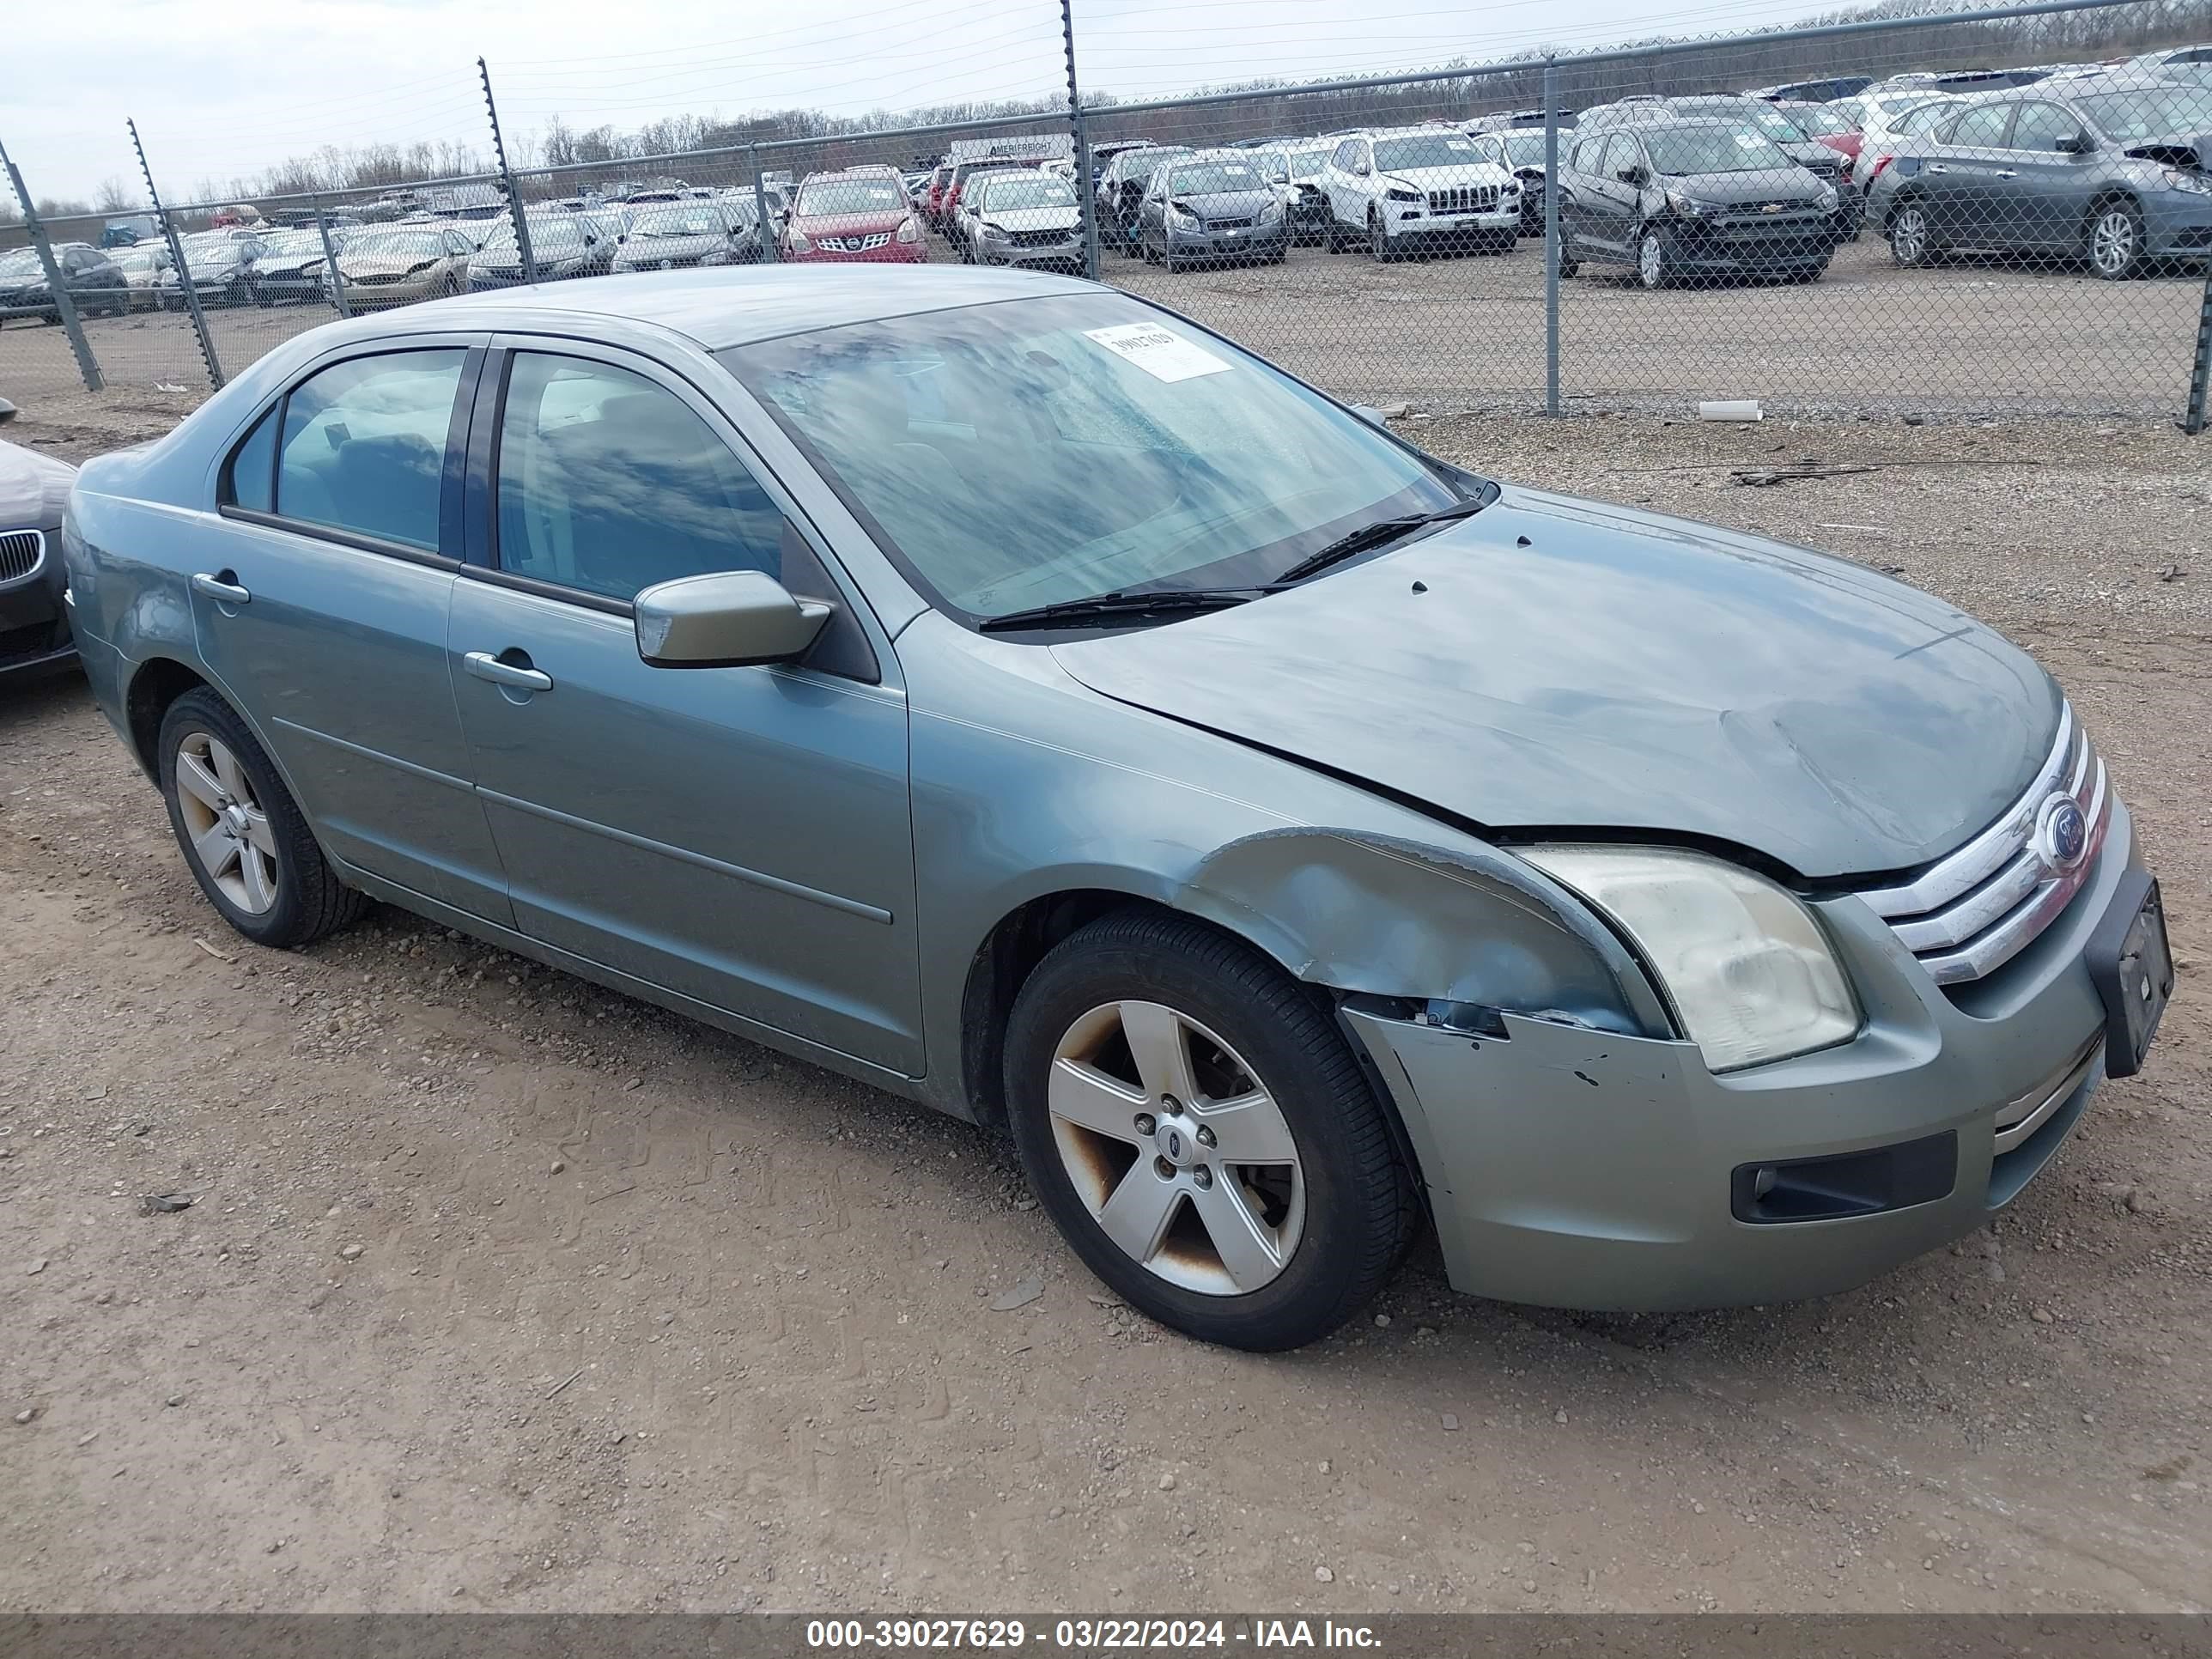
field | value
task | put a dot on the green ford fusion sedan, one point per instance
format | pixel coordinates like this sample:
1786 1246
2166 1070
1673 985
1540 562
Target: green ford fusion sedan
1015 696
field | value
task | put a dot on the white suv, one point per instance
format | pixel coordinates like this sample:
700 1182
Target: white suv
1395 187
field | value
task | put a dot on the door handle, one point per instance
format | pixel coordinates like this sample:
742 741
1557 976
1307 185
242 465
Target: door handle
2007 172
485 666
215 587
1937 167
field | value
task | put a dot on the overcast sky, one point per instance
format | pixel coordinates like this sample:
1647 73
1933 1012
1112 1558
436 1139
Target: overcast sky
224 87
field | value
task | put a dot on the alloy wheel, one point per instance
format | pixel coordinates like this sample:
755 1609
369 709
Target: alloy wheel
228 829
1908 235
1177 1148
1650 260
2112 241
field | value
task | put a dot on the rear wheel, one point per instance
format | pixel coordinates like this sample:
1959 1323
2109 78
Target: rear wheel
1202 1134
1911 237
245 841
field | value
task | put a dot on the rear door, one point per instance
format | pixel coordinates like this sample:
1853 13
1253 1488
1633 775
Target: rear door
326 622
739 835
1971 188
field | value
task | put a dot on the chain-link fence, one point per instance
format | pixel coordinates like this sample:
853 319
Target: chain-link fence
2006 212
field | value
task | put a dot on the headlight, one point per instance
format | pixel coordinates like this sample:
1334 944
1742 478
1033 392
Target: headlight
799 243
1750 974
2182 179
1270 213
993 233
1688 206
1401 196
1827 198
1175 215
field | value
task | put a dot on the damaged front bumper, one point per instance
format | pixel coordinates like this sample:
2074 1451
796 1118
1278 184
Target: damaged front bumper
1571 1167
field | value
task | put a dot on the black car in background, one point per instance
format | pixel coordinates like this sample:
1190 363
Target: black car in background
562 246
294 267
34 629
95 283
1802 147
1690 202
2119 178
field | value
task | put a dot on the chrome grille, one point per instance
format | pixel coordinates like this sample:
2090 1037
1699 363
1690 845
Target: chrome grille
1464 198
1975 911
21 552
1228 224
867 244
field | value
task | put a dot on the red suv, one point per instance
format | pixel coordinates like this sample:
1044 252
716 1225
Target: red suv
861 214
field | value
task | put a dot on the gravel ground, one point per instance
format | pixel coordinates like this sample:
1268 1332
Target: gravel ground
1962 339
500 1292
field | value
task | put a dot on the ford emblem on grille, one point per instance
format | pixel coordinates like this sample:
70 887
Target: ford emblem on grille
2063 837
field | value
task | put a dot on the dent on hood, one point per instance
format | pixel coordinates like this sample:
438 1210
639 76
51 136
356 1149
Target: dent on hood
1360 912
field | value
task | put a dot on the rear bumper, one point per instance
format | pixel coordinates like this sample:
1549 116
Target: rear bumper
1579 1168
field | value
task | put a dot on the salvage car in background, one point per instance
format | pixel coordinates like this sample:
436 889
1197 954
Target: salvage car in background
1419 189
294 268
2120 180
563 246
677 236
1251 837
96 284
1212 208
405 264
142 267
1520 151
862 214
221 266
1692 201
34 628
1028 218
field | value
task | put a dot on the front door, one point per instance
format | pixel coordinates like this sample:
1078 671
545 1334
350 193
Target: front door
739 835
326 622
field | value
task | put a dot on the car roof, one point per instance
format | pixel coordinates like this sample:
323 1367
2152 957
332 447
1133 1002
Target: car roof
721 306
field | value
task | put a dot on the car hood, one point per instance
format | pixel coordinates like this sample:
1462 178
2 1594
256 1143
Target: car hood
1065 217
1226 204
2177 150
33 487
1444 178
1727 189
651 250
1573 666
386 265
850 224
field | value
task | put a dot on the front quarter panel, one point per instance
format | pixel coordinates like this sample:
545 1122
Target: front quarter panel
1027 784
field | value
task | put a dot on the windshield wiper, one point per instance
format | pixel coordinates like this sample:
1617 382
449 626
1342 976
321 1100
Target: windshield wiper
1107 609
1370 536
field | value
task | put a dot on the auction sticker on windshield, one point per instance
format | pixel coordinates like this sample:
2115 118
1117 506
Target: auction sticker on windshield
1161 354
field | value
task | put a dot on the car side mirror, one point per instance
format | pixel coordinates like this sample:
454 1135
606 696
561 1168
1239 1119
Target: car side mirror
2074 144
732 619
1636 175
1360 170
1371 414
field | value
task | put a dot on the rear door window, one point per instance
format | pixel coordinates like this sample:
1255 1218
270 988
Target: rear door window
363 445
1982 127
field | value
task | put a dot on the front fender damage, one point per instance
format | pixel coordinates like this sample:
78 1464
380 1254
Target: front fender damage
1377 915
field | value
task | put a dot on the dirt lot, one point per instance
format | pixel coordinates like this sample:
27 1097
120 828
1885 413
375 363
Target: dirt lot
503 1292
1470 331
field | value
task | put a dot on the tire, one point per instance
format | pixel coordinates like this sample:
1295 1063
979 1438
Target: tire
308 901
1655 259
2115 240
1332 237
1911 237
1378 239
1568 266
1320 1231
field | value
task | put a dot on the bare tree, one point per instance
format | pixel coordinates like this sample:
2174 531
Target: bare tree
112 196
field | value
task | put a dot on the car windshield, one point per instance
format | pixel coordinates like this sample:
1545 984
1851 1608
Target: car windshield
397 245
285 243
2149 113
1214 179
546 236
1038 192
1680 151
1057 448
20 262
825 197
678 222
1142 164
210 245
132 259
1308 163
1523 149
1767 118
1272 164
1819 123
1426 149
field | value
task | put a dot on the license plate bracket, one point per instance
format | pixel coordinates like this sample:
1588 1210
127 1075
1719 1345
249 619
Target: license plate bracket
2131 961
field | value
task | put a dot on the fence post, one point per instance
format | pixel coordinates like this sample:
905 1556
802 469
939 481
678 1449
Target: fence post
331 259
183 272
2193 420
56 280
507 181
1551 236
770 253
1082 179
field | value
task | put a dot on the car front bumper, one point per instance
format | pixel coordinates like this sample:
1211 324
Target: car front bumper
34 629
2178 224
1258 240
1574 1168
1406 219
893 252
1064 254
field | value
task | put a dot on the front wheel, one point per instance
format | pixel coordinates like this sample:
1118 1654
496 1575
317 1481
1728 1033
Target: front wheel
1379 241
245 841
1202 1134
2116 241
1655 259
